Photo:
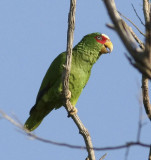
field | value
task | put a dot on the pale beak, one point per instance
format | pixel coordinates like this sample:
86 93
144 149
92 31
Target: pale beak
107 47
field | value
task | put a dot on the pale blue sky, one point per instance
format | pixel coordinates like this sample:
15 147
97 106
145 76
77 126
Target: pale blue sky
32 34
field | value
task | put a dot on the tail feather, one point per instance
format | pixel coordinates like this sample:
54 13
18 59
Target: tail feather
32 123
37 114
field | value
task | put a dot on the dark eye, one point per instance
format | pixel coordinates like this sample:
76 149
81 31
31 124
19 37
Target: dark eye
99 37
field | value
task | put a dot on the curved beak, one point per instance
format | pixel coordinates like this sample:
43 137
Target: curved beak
107 47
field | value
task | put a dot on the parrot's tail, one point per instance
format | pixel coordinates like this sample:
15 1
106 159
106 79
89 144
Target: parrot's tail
35 118
32 123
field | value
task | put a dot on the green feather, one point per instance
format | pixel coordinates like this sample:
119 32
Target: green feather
49 97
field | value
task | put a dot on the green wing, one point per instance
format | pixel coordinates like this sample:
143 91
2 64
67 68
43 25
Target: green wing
53 74
48 95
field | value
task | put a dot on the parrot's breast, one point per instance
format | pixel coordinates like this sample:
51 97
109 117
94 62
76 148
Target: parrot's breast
79 76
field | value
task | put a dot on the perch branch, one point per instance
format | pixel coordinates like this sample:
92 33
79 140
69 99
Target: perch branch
82 130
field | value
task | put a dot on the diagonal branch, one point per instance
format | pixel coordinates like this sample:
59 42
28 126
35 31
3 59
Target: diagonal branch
132 23
82 130
140 58
141 44
137 15
33 136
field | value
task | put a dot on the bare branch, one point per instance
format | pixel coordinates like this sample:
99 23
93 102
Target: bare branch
103 157
82 130
141 44
33 136
11 120
132 23
137 15
70 35
111 26
140 125
145 94
149 158
126 153
121 27
141 61
146 9
147 16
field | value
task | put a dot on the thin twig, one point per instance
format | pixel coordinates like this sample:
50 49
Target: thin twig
103 157
132 23
82 130
137 15
140 120
33 136
111 26
11 120
126 153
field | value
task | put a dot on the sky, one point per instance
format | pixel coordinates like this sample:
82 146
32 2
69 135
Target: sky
32 34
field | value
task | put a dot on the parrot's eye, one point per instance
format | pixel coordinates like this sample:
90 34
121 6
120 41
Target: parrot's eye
99 37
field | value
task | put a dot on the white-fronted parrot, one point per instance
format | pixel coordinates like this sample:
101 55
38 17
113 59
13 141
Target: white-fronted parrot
84 55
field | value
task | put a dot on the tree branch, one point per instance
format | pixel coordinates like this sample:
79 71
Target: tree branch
121 28
132 23
82 130
147 16
137 15
146 7
32 135
141 44
145 94
103 157
149 158
141 61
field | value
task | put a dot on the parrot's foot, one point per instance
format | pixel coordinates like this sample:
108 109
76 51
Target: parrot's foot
72 112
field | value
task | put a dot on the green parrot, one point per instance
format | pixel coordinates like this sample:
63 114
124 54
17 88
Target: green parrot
84 55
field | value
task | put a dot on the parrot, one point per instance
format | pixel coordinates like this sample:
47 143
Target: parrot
84 56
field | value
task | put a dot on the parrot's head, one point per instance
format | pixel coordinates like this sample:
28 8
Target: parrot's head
92 46
98 42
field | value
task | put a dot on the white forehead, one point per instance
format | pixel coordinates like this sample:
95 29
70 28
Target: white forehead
105 36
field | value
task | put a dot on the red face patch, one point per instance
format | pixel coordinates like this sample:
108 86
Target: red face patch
101 39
